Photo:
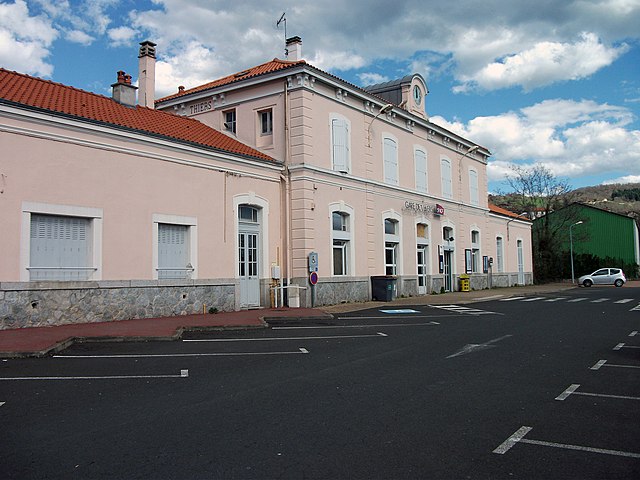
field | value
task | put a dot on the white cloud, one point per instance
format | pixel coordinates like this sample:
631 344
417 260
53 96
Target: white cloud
545 63
121 35
371 78
78 36
625 179
25 40
571 138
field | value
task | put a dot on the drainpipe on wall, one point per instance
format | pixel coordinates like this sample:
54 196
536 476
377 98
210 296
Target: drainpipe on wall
286 251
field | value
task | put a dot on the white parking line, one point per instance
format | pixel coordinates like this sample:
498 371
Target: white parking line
622 345
377 335
603 363
183 374
533 299
636 308
311 327
511 299
625 300
599 300
518 437
2 403
579 299
572 390
557 299
634 333
158 355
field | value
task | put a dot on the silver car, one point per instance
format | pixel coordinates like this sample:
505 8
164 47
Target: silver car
604 276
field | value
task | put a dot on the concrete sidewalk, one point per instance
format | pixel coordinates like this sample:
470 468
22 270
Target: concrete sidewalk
41 341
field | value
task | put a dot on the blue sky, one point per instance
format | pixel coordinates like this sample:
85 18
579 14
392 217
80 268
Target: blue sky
547 82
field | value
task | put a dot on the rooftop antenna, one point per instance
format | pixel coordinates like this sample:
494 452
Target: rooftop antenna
284 20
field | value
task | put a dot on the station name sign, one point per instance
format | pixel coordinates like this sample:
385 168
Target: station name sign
200 107
418 207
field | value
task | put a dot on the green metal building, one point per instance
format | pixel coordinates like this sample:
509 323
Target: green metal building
599 238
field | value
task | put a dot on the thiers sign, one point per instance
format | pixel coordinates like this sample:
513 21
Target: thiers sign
418 207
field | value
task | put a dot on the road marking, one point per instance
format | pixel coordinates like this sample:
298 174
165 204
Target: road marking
493 297
183 374
580 299
572 390
386 317
603 363
2 403
568 391
622 345
428 324
599 300
158 355
474 347
464 310
400 310
557 299
511 299
636 308
625 300
512 440
518 437
533 299
634 333
377 335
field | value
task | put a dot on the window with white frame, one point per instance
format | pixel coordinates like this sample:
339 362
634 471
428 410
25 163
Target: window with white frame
340 144
473 187
391 246
420 157
475 252
422 243
266 122
341 237
390 156
60 248
230 120
445 176
173 251
499 255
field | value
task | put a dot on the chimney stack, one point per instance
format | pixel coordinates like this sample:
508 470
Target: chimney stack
123 92
294 49
147 74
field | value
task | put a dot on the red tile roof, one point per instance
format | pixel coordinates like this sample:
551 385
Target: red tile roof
505 212
269 67
24 90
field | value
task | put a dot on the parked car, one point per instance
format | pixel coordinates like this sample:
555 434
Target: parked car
604 276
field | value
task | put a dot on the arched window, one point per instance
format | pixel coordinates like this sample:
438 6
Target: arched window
473 187
340 144
390 155
341 238
420 158
391 246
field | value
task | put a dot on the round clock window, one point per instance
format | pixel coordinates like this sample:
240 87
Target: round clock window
417 94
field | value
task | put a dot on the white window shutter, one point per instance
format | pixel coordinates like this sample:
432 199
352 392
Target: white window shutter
339 133
390 161
421 170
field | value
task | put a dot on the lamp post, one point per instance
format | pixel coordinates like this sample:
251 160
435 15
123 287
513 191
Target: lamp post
385 109
571 248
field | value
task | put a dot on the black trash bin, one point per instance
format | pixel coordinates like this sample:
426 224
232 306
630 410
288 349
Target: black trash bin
383 288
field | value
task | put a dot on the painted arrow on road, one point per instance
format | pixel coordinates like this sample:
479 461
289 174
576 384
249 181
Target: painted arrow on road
476 347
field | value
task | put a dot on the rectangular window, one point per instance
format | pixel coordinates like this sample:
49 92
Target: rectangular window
390 258
390 155
340 257
445 173
340 144
473 187
421 170
60 248
499 255
173 251
230 121
266 122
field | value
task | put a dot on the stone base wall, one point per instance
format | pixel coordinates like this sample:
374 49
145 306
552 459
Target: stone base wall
40 304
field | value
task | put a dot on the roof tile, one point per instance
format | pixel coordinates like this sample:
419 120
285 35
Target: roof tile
42 94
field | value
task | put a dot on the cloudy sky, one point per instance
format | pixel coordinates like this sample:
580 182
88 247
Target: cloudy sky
555 82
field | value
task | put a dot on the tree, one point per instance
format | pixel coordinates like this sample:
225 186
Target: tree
536 193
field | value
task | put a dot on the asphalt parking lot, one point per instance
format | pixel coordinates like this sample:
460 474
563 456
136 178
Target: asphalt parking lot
532 386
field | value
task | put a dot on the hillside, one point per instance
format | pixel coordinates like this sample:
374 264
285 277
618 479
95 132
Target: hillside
618 198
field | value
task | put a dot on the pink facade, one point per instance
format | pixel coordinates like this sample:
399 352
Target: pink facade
308 164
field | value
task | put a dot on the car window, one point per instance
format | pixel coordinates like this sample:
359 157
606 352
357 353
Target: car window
615 271
602 271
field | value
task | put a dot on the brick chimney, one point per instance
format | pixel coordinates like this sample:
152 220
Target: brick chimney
147 74
123 92
294 49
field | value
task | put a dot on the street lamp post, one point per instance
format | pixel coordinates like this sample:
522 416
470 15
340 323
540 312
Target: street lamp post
571 248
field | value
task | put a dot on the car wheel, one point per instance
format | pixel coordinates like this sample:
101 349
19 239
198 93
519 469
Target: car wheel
587 283
618 283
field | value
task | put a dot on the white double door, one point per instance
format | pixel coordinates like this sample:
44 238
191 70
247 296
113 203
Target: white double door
248 267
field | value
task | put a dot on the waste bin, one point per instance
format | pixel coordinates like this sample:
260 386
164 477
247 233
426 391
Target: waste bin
383 288
465 283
